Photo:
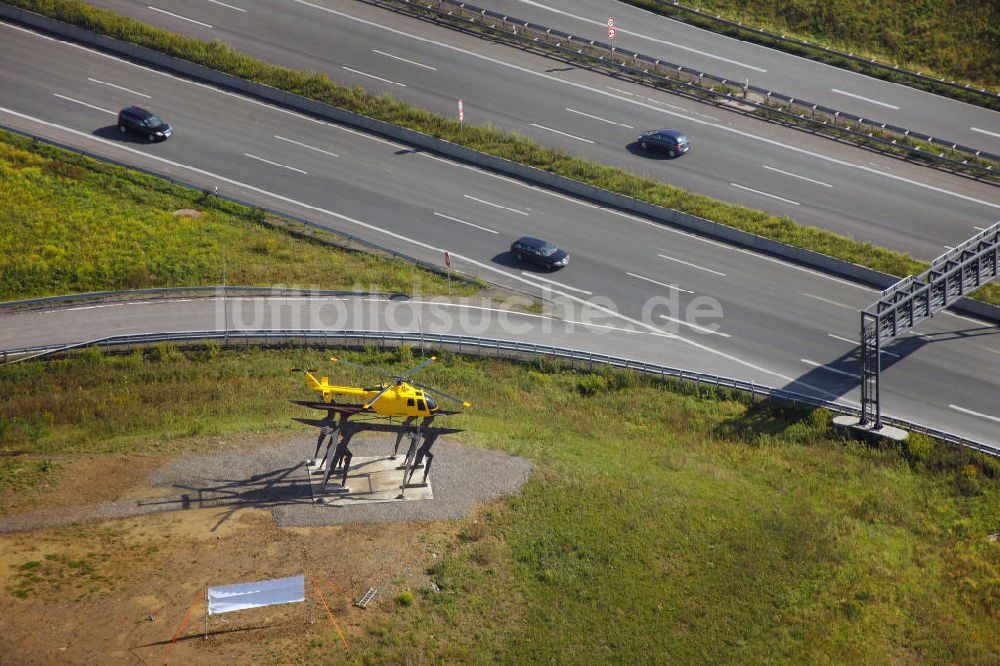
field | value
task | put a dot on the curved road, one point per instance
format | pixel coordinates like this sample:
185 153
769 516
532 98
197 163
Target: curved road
652 292
742 160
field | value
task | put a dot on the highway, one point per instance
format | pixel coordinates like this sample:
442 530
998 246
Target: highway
675 41
813 180
633 287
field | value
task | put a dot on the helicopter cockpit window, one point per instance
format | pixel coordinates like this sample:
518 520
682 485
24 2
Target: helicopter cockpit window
409 402
431 404
420 405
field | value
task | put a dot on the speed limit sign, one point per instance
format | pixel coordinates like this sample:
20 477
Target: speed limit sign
611 33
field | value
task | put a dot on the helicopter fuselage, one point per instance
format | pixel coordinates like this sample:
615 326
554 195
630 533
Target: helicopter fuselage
401 399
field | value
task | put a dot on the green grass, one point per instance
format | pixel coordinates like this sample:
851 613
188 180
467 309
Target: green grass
665 523
488 139
72 224
957 39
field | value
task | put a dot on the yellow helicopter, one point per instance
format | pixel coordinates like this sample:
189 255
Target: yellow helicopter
398 398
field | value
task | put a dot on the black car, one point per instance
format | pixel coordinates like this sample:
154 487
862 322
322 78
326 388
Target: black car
539 252
141 121
672 142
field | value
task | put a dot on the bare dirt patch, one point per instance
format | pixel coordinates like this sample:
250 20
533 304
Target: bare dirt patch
115 591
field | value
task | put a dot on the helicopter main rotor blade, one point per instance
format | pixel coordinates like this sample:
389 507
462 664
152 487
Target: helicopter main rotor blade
380 394
442 394
417 367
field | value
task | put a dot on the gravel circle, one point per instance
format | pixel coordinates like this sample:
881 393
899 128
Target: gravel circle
273 475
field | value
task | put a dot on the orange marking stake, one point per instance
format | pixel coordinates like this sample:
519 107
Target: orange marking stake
323 599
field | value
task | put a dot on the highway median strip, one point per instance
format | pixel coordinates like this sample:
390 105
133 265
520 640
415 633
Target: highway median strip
486 139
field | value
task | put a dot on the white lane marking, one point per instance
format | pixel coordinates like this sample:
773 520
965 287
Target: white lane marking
828 368
490 203
535 276
979 228
969 411
30 32
318 150
624 92
686 263
647 37
949 247
178 16
128 90
603 120
413 241
795 175
662 227
572 136
773 196
396 57
379 78
840 337
700 329
968 319
982 131
865 99
455 219
283 166
662 284
680 108
827 300
597 91
239 9
855 343
70 99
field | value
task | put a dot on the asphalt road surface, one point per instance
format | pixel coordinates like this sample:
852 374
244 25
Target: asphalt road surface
652 292
813 180
651 34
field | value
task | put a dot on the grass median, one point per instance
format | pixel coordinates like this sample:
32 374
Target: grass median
488 139
946 40
665 523
72 224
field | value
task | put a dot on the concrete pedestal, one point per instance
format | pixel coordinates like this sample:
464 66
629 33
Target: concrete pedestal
852 424
369 480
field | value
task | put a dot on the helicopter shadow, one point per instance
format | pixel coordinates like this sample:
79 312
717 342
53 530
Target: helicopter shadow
259 491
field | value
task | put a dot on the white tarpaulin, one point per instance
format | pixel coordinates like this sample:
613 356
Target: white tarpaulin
228 598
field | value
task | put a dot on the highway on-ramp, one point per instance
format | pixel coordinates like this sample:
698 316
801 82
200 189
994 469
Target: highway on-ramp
654 293
734 158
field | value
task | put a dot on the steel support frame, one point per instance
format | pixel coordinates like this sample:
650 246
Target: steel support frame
914 299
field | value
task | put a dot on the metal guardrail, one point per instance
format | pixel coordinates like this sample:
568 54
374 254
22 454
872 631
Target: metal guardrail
894 69
479 346
161 292
662 72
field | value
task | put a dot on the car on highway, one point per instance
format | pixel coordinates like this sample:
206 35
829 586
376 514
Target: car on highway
672 142
539 252
141 121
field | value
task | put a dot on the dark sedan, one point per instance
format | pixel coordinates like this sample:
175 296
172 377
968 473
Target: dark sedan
141 121
539 252
672 142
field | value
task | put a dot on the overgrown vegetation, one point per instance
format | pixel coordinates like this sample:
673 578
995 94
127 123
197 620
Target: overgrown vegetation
949 40
72 224
508 145
665 523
